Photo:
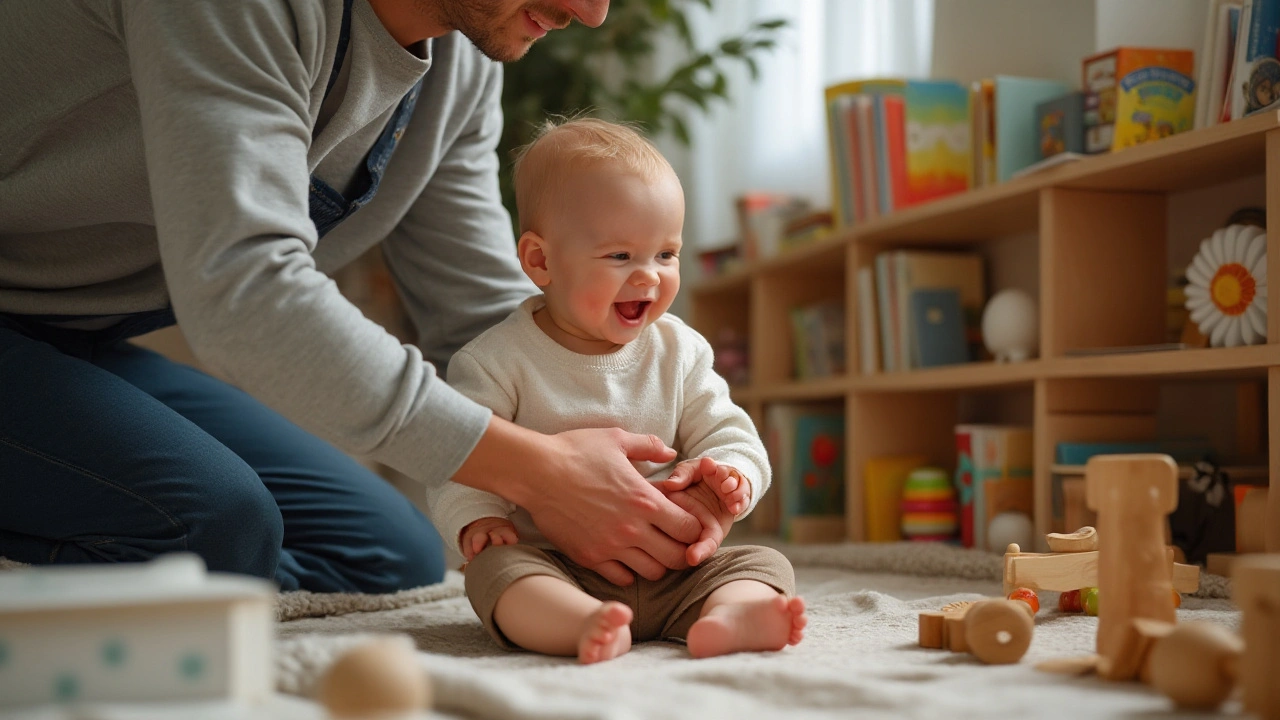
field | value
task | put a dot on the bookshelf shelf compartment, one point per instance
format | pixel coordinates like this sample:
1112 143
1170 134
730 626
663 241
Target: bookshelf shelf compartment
1093 241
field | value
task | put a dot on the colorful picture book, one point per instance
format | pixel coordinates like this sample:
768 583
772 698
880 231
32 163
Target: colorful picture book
805 442
1142 94
994 470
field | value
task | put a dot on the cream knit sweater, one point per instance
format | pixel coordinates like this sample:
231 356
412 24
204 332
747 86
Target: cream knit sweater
662 384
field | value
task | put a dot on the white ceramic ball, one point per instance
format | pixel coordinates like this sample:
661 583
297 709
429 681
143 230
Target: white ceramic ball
1010 527
1011 326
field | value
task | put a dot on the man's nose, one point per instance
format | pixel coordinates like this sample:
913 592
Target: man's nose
589 12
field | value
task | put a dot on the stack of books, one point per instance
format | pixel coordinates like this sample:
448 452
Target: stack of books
895 143
1239 70
919 309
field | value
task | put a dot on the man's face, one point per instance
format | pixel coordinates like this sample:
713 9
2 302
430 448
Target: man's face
505 29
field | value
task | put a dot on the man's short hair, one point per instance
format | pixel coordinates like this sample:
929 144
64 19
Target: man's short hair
578 143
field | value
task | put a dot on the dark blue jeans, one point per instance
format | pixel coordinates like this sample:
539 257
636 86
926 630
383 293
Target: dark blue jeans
111 453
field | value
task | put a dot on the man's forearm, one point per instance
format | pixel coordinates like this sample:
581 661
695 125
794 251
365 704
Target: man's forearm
506 462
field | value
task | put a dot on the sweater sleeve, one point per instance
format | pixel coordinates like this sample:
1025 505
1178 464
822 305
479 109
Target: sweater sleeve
453 506
711 425
223 92
453 256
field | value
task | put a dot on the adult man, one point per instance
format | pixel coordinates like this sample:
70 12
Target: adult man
210 161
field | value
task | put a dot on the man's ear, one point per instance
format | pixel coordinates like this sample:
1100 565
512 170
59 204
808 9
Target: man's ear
533 258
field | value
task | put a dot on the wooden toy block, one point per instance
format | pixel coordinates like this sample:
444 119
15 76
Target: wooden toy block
1132 495
936 633
933 634
1256 589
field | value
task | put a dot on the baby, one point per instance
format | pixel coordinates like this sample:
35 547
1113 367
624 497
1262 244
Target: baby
601 213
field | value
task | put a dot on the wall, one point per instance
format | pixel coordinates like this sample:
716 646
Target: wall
974 39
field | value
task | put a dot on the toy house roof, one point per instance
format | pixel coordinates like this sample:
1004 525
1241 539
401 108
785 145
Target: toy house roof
178 578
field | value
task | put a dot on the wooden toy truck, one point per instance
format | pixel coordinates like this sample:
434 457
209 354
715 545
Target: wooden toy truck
1072 564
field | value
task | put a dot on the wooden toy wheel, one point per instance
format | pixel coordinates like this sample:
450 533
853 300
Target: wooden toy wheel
999 632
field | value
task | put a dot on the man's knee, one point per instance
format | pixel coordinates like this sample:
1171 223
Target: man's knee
415 557
236 525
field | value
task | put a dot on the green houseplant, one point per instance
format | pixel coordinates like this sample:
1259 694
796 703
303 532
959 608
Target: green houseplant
610 71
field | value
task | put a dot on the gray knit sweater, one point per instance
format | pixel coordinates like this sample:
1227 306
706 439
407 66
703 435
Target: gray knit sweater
157 152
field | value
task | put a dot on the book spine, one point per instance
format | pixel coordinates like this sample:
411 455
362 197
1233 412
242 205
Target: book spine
883 174
852 161
896 146
965 481
868 349
885 291
836 154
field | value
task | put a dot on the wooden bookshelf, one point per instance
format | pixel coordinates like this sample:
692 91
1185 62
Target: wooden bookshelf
1100 232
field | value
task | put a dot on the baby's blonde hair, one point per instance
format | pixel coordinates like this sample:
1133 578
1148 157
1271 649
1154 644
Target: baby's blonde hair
579 142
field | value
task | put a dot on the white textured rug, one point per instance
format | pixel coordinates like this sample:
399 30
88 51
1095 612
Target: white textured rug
859 655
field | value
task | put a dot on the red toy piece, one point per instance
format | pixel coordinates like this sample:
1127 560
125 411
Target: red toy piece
1027 596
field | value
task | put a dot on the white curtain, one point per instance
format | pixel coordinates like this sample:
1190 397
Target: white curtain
771 135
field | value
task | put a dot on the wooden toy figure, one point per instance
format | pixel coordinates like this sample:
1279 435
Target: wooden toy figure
1132 494
1256 589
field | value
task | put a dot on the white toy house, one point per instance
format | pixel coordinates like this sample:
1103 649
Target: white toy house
159 631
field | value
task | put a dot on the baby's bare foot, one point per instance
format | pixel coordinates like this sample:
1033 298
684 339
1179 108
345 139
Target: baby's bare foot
606 634
761 625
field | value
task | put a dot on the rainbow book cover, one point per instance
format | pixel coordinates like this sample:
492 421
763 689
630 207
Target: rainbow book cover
939 152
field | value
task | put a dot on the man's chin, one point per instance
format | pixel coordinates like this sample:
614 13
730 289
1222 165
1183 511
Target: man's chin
504 53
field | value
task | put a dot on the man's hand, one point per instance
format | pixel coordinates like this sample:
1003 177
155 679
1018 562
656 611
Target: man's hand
703 503
713 493
485 532
593 505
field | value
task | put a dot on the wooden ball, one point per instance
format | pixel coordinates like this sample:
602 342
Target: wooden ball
999 632
1194 664
381 677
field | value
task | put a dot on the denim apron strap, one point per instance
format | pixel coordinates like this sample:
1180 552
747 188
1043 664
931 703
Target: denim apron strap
327 206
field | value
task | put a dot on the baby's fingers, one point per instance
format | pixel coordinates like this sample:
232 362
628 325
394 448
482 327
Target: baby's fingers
478 541
727 481
503 536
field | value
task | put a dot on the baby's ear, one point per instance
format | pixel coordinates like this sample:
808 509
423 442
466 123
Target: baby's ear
533 258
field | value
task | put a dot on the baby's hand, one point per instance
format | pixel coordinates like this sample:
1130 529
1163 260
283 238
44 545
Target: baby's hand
732 489
485 532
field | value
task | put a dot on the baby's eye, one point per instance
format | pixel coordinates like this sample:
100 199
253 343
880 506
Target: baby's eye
668 255
620 256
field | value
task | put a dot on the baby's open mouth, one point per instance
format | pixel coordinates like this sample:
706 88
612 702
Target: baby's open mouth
633 310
